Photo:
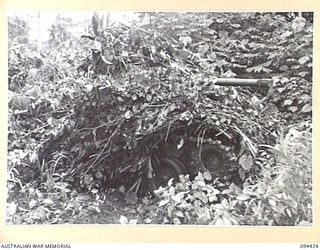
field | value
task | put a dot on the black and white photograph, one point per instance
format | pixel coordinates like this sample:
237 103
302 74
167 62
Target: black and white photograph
159 118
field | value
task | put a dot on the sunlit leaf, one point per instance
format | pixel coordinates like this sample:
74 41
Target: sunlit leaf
288 212
12 208
133 222
134 97
32 204
226 221
306 108
262 188
170 209
293 109
235 25
89 87
180 144
41 213
223 34
185 40
246 161
47 202
128 114
170 182
207 176
304 59
287 102
148 220
298 24
178 197
243 197
163 202
176 221
305 223
123 220
272 202
149 97
212 198
219 222
94 190
286 34
179 214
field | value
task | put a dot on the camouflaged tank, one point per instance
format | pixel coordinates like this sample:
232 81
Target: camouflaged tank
227 154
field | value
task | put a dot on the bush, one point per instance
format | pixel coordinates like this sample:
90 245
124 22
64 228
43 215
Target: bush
282 196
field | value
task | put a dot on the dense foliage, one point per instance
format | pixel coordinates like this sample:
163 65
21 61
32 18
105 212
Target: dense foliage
87 115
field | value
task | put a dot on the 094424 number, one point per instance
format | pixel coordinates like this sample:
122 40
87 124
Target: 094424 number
308 246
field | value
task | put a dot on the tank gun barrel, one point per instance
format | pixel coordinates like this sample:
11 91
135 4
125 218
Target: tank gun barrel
260 83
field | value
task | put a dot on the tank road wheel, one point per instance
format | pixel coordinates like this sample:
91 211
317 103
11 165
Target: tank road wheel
169 167
212 160
216 163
